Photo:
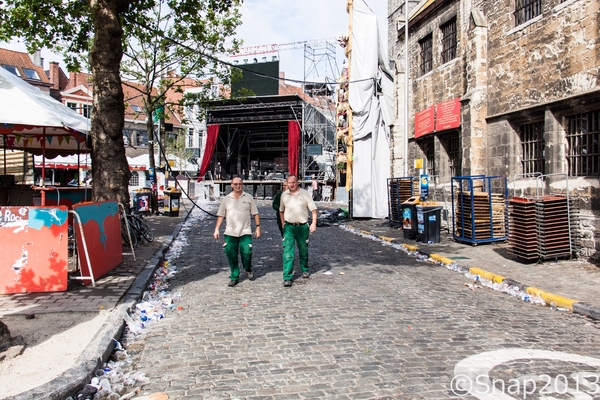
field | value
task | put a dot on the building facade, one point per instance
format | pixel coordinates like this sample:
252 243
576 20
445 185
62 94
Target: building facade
504 88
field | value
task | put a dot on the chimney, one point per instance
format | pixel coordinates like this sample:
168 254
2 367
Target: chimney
36 58
54 75
72 79
281 78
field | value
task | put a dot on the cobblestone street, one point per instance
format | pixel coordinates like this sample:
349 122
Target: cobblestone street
379 324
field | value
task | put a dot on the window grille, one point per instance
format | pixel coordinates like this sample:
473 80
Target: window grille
426 45
135 179
583 131
453 150
429 149
532 145
526 10
72 106
448 40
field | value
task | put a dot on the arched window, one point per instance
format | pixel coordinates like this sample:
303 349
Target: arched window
135 179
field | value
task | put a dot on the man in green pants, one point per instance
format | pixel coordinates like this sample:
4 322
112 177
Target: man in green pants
295 205
276 203
237 207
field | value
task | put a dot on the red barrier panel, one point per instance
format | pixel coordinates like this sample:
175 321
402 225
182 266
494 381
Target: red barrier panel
102 232
34 249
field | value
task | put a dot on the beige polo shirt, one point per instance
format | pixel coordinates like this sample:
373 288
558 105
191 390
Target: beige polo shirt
237 214
295 209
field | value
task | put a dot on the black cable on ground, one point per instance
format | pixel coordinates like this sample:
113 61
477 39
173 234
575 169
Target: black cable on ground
177 182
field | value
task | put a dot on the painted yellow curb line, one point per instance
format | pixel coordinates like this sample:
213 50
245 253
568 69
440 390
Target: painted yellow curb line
560 301
487 275
365 232
441 259
410 247
387 239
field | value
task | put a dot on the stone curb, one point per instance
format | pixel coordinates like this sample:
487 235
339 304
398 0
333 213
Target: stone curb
101 346
572 305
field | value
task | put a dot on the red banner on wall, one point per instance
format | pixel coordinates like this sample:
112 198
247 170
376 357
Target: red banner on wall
447 115
424 122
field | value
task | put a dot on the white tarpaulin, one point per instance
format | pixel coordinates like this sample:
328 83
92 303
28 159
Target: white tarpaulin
371 100
31 120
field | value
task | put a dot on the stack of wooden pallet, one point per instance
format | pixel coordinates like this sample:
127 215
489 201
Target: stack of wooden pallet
544 227
523 228
399 190
553 227
480 215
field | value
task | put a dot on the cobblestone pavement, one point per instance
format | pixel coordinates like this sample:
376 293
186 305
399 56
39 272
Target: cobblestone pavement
379 325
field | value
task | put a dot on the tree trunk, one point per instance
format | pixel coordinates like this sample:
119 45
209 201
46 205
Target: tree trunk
151 141
110 170
4 336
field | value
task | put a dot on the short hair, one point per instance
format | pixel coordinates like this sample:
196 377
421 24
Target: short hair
291 176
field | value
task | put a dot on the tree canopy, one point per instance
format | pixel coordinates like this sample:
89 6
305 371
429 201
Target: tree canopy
98 33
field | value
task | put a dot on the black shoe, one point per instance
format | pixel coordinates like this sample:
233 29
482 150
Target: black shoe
287 283
305 275
250 274
232 283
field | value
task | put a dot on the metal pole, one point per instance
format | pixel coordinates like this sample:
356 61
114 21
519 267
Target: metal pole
406 88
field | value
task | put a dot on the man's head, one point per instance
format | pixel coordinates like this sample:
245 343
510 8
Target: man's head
292 182
237 184
284 184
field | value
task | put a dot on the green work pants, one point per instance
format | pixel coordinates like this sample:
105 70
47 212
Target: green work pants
291 235
243 245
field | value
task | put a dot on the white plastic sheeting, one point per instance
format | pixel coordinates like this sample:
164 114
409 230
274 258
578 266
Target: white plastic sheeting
371 100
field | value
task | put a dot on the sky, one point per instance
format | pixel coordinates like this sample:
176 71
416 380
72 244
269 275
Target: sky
287 21
282 22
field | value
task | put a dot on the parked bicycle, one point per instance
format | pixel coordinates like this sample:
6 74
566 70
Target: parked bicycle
139 229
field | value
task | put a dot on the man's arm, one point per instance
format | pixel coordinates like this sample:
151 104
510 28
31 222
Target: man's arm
257 222
216 233
281 218
313 225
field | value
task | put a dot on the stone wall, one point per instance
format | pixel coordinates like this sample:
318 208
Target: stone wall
548 58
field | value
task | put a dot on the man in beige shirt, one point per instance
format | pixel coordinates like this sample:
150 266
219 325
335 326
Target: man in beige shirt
237 207
294 207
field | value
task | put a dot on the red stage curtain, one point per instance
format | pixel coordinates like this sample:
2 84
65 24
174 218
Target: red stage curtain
293 147
211 142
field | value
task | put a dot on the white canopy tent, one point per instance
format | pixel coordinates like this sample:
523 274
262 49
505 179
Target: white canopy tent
32 121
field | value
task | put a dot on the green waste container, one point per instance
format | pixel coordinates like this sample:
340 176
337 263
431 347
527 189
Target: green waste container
142 201
171 202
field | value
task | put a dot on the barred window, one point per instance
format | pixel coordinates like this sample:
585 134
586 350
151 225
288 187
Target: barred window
429 150
135 179
448 40
582 139
426 54
453 150
533 144
526 10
